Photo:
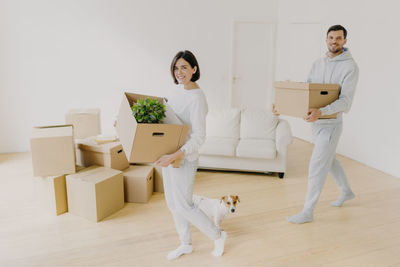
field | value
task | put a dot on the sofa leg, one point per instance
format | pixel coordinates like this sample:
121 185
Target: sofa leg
281 174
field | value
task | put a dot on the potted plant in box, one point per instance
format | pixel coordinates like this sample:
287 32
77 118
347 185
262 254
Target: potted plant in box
148 111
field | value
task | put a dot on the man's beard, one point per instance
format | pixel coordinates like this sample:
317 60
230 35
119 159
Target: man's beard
335 51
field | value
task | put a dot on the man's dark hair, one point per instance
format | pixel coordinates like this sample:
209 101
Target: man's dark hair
191 59
337 28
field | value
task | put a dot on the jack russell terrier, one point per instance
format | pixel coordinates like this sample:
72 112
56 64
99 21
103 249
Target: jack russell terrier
217 209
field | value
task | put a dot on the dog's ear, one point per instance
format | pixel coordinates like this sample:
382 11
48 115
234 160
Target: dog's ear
222 200
238 199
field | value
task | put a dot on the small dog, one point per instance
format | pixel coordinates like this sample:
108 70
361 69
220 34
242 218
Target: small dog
217 209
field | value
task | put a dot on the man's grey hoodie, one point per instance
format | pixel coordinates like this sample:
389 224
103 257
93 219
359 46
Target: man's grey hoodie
341 70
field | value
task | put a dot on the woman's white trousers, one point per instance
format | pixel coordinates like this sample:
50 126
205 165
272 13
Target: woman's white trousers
178 190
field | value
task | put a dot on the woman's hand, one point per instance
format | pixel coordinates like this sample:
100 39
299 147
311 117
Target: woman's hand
167 159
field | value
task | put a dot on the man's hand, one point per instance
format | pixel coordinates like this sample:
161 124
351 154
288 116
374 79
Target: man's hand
313 115
167 159
274 110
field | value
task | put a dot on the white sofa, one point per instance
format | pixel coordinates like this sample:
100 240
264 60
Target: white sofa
245 140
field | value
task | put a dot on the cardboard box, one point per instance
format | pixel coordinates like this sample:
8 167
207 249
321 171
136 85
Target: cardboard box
158 179
53 150
138 183
95 192
51 193
110 155
296 98
86 122
147 142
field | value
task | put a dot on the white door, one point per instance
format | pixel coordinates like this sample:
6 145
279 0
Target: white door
252 65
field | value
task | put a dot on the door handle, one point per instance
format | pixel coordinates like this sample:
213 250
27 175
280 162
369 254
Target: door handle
234 78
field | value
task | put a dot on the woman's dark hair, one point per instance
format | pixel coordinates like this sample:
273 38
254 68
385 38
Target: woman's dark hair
191 59
337 28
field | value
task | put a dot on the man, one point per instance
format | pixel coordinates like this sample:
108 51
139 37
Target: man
336 67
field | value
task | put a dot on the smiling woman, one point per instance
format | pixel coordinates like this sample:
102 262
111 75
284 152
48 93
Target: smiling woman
185 69
190 105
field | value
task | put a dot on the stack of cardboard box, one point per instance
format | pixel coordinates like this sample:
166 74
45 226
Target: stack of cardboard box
76 172
52 157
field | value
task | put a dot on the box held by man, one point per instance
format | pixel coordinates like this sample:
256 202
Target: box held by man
296 98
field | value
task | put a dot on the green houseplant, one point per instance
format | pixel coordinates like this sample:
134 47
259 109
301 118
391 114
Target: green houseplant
148 111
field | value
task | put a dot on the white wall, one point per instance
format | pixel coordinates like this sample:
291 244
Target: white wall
371 129
56 55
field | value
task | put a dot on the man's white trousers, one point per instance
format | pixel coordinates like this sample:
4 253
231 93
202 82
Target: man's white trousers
178 190
324 161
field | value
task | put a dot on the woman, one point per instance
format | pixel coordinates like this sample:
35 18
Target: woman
190 105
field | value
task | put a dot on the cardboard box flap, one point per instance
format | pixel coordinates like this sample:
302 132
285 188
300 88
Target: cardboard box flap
138 171
170 116
291 85
52 131
133 98
79 168
95 174
126 123
306 86
107 148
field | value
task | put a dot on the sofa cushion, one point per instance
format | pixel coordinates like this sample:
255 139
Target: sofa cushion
223 123
257 124
256 148
219 146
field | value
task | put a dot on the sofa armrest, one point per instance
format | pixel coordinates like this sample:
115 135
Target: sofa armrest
283 135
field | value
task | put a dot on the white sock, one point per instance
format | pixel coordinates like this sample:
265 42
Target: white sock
182 249
302 217
219 245
343 197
